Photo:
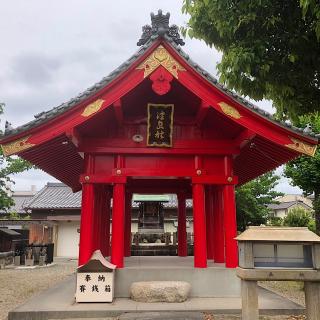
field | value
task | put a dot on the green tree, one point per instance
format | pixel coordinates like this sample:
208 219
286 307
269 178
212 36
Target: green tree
252 199
8 167
271 48
297 217
305 171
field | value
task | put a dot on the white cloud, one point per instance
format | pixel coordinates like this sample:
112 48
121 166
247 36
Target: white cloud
53 50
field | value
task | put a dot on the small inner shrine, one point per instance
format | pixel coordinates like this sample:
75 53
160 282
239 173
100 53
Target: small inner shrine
151 217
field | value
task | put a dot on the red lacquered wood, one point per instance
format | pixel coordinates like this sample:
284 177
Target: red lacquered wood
161 81
199 226
218 226
87 233
209 221
86 245
107 225
127 233
230 226
103 227
117 249
182 225
98 221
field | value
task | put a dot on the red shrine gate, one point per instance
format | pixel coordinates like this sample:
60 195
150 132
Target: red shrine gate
108 142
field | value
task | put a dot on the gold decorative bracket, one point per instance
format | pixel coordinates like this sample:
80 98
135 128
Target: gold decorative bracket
160 57
92 108
302 147
229 110
16 146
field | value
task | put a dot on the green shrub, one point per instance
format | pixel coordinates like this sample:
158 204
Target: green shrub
297 217
312 225
275 221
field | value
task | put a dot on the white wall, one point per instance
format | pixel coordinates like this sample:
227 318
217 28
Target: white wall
68 239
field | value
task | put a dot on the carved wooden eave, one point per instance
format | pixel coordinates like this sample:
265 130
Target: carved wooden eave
92 108
302 147
16 146
161 57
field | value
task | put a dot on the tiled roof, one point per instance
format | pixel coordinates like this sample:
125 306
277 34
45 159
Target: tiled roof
55 196
46 116
19 203
287 205
60 196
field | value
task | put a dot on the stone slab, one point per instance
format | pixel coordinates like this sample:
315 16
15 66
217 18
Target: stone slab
214 281
162 315
160 291
58 303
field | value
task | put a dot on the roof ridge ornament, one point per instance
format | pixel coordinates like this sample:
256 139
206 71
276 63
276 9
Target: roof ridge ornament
159 28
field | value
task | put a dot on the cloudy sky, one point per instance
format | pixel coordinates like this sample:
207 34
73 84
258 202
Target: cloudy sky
53 50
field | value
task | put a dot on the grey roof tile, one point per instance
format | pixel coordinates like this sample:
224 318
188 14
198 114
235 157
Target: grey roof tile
55 196
45 116
60 196
287 205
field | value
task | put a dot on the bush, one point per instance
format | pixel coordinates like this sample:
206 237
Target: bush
312 225
297 217
275 221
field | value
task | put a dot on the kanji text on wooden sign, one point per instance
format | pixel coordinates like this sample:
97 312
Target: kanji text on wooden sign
160 125
94 287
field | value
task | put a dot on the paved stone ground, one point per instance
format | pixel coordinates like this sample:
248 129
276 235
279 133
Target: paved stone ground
17 286
162 316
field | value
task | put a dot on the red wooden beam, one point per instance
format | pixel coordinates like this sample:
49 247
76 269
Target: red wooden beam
177 144
166 151
155 190
202 113
244 138
215 179
98 178
74 136
121 177
117 107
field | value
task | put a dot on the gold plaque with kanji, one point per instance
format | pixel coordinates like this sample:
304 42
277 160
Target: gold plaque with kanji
160 125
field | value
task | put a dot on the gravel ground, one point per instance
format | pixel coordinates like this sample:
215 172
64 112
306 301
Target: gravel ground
17 286
292 290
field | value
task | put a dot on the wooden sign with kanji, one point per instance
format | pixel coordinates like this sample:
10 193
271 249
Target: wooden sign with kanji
95 280
160 125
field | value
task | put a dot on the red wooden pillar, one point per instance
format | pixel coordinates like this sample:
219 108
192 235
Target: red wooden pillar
127 234
209 222
86 246
218 225
87 239
199 226
107 226
117 249
230 226
97 217
104 221
182 225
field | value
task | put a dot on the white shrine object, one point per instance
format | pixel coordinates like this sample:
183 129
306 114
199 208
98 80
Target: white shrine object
95 280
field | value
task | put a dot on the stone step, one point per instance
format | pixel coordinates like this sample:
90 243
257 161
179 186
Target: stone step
162 316
149 316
